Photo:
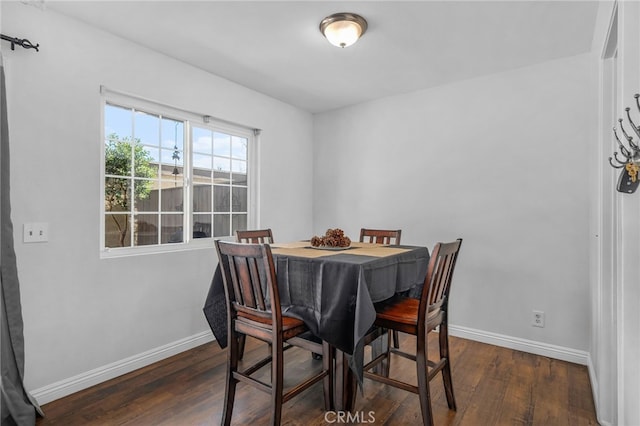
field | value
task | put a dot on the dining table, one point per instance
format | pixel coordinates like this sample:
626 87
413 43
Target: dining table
334 291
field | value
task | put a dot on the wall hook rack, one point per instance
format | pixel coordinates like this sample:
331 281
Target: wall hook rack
20 42
629 180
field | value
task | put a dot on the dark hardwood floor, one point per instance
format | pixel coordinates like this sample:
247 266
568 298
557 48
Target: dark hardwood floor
493 386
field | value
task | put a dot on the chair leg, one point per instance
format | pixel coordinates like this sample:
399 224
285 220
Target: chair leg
386 364
241 341
231 382
327 382
270 350
423 380
446 370
277 380
396 339
381 346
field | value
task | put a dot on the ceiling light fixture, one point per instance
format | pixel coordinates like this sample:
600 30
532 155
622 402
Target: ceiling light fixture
343 29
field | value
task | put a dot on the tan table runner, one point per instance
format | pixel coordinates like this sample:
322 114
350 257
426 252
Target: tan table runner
304 249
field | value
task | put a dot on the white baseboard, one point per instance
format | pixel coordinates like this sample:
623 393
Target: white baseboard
530 346
85 380
594 385
595 391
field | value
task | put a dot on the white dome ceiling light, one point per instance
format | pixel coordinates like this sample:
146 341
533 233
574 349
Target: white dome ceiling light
343 29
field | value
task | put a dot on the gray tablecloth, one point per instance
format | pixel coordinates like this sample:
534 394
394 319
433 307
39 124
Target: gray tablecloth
333 295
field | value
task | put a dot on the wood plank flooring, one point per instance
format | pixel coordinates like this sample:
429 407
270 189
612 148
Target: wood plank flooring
493 386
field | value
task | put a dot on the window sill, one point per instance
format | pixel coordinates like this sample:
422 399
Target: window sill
197 244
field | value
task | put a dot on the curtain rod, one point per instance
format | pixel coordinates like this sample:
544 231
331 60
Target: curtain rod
20 42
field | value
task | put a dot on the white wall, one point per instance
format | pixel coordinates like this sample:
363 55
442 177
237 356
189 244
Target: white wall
82 313
499 161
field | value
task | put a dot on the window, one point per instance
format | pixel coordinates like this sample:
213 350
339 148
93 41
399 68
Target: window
171 179
219 182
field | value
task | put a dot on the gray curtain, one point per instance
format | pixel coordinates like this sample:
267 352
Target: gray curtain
18 407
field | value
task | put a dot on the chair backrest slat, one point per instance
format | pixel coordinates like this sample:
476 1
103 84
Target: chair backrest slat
380 236
255 236
258 294
437 284
232 275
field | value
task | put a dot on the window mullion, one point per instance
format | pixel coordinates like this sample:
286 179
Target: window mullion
132 187
187 209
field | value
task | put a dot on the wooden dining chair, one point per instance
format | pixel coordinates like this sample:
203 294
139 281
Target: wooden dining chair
255 236
252 236
380 236
419 317
253 309
383 236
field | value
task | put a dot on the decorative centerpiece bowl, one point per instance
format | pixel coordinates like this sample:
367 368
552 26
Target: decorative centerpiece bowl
333 239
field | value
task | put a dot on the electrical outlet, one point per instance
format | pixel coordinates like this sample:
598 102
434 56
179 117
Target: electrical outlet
36 232
538 319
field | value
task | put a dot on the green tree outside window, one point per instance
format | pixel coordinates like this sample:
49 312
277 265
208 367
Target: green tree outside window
117 192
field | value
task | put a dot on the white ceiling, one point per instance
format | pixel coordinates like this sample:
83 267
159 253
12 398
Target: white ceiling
275 47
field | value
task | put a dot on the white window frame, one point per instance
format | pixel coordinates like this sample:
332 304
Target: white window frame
109 96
